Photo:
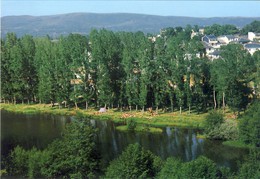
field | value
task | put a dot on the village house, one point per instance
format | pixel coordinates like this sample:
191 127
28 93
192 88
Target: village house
211 44
243 40
210 39
226 39
201 31
254 36
252 47
208 48
214 55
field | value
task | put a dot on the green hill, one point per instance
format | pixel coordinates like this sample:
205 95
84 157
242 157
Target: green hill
82 23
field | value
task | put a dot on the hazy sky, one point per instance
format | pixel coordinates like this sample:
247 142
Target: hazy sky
155 7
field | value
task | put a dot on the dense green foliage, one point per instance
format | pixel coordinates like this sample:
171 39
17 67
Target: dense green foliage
218 128
201 167
134 162
172 169
131 124
251 167
218 30
249 125
126 70
252 27
75 154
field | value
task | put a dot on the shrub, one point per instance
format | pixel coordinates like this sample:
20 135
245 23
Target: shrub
202 167
131 124
19 161
228 130
251 167
70 157
75 154
171 169
213 119
37 161
218 128
249 125
134 162
225 131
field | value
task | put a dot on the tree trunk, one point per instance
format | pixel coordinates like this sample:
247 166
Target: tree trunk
180 109
171 105
130 107
28 101
156 111
189 108
136 107
76 105
143 109
86 105
214 98
59 106
223 101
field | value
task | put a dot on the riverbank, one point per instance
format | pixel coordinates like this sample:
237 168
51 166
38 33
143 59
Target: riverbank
146 118
157 120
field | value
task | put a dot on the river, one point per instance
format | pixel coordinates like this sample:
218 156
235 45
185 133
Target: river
39 130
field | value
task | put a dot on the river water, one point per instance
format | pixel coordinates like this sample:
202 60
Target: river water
39 130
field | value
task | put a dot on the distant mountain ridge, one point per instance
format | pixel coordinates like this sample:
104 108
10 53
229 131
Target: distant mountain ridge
63 24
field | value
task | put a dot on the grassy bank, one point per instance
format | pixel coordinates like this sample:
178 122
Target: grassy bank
237 144
185 119
141 129
158 120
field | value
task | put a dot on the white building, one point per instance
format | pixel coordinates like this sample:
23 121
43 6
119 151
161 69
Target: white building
252 47
226 39
253 36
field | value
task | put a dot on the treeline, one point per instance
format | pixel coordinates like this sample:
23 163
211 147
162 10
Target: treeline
76 155
125 69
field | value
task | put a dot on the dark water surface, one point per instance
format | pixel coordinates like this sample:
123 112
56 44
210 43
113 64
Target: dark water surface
28 130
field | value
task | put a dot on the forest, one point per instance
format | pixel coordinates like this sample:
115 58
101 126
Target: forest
128 70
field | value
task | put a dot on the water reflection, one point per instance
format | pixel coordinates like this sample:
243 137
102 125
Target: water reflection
40 130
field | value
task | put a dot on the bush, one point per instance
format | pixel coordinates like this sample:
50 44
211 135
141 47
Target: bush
225 131
19 162
218 128
249 125
75 154
171 169
134 162
70 157
202 167
251 167
213 119
28 163
37 161
131 124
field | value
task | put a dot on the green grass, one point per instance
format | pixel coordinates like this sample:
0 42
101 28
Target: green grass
162 119
201 136
141 129
237 144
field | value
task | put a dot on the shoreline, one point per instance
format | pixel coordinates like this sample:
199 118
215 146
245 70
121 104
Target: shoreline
158 120
172 119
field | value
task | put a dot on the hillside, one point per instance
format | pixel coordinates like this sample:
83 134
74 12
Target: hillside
82 23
